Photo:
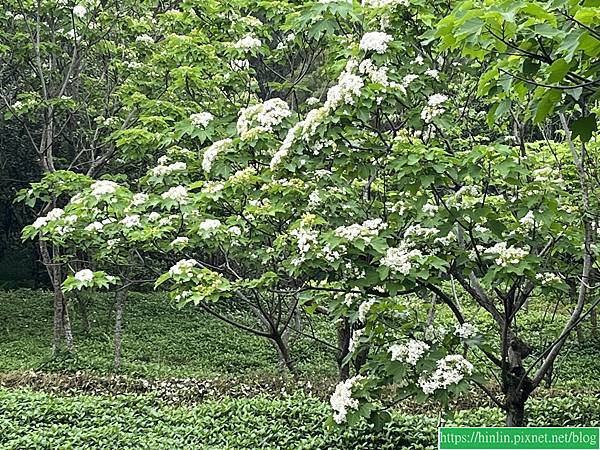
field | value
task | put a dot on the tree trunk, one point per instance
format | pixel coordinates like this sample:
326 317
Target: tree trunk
66 322
344 333
284 353
594 322
61 324
517 384
515 414
120 298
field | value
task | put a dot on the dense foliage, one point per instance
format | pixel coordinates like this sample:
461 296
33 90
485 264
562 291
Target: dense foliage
416 176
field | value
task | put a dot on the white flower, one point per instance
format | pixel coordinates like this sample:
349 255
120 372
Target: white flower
139 199
400 259
435 74
264 116
547 278
348 87
450 370
177 193
209 224
79 11
131 221
248 42
465 330
285 147
180 241
40 222
383 3
376 41
506 255
364 308
365 231
103 187
528 221
55 214
162 170
436 99
145 39
314 198
353 344
410 353
94 226
211 153
341 400
433 108
201 119
183 267
84 275
235 230
153 216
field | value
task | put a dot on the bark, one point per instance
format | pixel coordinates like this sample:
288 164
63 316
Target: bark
60 316
344 335
67 324
517 385
284 353
120 298
594 322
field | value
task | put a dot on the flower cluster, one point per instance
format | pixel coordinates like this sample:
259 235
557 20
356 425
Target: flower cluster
364 308
79 11
144 39
433 107
54 214
211 153
547 278
400 259
177 193
365 231
528 221
376 41
248 42
347 88
103 187
450 370
265 115
410 353
383 3
202 119
162 170
506 255
131 221
84 275
465 330
209 224
341 400
183 267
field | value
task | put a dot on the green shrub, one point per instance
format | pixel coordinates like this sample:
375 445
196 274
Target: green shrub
31 420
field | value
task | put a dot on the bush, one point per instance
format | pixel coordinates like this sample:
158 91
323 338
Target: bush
31 420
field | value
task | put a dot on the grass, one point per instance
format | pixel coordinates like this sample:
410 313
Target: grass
33 420
162 343
159 341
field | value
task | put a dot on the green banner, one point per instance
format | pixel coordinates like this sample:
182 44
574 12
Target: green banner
519 438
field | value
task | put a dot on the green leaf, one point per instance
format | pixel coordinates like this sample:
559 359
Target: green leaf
557 70
530 67
584 127
547 104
